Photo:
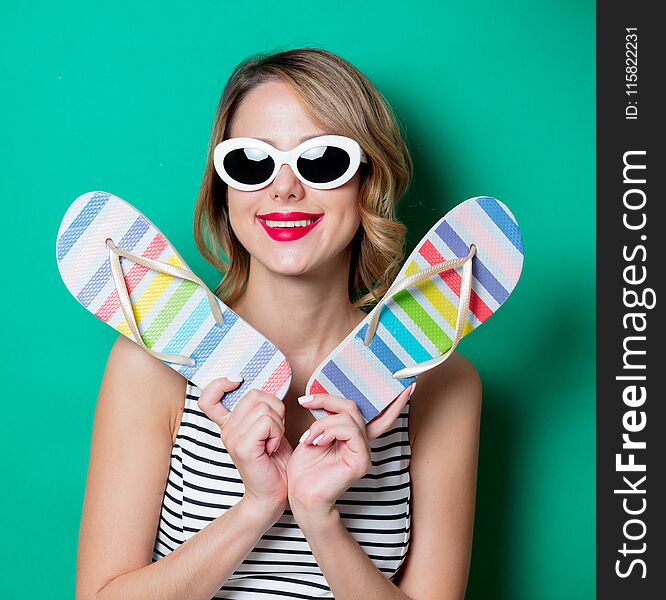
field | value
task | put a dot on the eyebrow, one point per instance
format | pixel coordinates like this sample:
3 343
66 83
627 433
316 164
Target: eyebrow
300 141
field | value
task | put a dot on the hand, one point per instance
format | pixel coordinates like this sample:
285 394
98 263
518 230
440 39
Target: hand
319 474
253 434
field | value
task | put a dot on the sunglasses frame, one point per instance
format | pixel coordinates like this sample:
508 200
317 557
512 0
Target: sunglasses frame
289 157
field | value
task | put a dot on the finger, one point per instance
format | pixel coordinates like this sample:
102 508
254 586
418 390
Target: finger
276 433
265 433
333 404
346 431
326 424
385 420
209 400
248 404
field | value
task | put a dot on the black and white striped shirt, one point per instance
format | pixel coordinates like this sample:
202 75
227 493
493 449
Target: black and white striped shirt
204 483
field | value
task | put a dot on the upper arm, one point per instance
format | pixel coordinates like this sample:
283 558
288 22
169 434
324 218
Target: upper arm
445 410
128 465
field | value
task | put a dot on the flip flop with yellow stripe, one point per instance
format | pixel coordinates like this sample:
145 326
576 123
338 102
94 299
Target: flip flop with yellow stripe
123 270
458 275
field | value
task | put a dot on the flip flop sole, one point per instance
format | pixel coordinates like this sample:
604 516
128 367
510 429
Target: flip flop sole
173 315
418 323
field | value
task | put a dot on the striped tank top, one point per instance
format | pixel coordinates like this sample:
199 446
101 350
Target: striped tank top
203 483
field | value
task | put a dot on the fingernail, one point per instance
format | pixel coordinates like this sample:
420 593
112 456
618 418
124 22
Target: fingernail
304 436
317 439
304 399
235 379
413 386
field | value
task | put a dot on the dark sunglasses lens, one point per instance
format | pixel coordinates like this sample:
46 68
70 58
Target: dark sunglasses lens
323 163
248 165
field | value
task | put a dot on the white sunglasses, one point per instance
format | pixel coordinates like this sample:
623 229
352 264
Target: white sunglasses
322 162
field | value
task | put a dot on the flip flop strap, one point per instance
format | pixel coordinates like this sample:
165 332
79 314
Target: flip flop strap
126 304
463 308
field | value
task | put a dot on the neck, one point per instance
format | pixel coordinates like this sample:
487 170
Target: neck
305 316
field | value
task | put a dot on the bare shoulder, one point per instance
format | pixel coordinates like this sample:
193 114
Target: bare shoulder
444 425
452 390
128 465
146 380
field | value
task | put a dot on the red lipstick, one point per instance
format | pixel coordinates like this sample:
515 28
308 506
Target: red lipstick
290 216
289 234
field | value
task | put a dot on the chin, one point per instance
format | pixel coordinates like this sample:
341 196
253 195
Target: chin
288 267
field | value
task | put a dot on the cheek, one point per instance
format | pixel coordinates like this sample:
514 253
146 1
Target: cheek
352 220
239 209
347 224
341 234
232 217
352 214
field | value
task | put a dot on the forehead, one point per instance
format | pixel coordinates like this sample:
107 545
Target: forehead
272 111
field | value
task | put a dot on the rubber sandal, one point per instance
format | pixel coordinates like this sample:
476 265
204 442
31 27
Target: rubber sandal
123 270
458 275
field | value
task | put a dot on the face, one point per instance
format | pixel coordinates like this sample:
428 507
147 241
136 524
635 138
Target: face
271 112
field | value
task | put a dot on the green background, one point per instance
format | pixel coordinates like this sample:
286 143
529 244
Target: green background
496 99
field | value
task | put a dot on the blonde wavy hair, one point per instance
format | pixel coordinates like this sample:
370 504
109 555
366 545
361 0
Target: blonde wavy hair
341 100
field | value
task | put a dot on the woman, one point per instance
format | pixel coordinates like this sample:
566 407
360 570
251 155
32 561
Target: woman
185 499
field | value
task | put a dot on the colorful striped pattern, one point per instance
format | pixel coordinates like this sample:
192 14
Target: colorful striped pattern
173 315
419 323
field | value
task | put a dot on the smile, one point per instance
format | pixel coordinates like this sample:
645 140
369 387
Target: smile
287 227
281 224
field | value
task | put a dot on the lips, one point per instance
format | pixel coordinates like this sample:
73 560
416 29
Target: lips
290 216
289 234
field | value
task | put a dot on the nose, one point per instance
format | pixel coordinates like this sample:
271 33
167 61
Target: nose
286 186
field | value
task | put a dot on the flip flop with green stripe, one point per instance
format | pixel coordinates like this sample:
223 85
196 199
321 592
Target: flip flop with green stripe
122 269
458 275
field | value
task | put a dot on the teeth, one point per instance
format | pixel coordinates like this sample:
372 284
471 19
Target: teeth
281 224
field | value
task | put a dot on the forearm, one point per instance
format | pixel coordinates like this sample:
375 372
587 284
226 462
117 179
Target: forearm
198 568
347 568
